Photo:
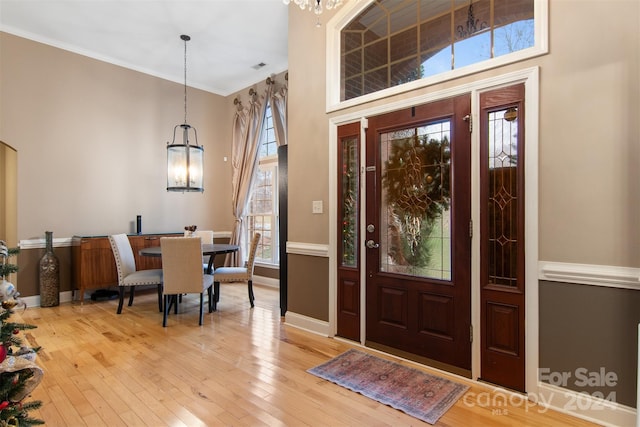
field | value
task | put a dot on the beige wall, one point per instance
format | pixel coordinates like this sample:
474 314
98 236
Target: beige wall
589 134
91 140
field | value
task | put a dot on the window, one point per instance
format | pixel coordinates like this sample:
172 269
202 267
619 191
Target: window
262 210
393 42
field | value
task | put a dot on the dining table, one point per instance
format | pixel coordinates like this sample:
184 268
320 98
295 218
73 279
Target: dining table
207 249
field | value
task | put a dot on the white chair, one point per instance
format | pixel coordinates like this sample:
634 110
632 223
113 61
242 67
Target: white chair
205 235
183 274
207 238
128 276
237 274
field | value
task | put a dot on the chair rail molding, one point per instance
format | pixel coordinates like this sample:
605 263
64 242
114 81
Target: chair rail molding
589 274
311 249
41 243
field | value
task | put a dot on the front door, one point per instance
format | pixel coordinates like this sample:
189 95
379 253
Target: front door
417 238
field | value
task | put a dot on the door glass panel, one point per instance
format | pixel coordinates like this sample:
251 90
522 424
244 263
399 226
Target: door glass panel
415 220
503 201
349 197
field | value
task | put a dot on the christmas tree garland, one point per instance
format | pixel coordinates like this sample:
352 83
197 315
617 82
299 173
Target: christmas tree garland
19 374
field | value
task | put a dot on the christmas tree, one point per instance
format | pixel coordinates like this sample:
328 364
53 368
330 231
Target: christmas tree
19 374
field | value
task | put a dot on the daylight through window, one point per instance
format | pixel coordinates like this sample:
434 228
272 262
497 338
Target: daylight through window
393 42
262 216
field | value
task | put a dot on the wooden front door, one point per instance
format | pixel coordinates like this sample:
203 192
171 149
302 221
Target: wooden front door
502 256
417 239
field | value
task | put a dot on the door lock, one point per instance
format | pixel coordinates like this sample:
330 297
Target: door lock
372 245
371 228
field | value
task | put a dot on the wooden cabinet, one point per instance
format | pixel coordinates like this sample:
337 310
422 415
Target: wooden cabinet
94 267
145 241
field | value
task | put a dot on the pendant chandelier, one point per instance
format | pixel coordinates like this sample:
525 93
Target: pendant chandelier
317 6
185 160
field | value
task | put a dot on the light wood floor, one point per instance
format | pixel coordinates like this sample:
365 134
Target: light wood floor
243 367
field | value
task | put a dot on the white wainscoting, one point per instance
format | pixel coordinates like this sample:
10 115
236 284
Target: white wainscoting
310 249
587 274
41 243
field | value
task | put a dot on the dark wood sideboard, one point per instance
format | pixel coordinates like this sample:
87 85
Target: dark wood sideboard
94 267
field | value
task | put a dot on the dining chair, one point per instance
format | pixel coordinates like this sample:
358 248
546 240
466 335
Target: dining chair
237 274
128 276
207 238
183 274
205 235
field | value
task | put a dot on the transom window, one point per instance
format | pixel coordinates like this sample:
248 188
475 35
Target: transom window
393 42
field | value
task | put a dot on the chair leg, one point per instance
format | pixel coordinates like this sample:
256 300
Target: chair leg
201 309
159 297
131 293
250 287
216 296
210 295
165 311
121 300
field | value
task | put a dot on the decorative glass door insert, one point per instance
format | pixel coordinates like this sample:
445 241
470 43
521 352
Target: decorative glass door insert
415 225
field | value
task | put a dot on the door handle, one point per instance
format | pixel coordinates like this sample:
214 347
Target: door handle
372 245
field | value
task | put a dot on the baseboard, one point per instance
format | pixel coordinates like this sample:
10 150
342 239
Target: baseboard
306 323
584 406
34 301
266 281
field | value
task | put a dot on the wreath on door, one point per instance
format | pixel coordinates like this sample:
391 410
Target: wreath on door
417 181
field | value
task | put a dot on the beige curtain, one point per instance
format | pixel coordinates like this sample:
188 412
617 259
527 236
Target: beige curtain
247 127
279 113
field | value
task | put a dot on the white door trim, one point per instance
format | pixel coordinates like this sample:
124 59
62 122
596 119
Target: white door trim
530 78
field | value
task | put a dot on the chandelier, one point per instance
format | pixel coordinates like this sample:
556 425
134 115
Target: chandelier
185 161
316 5
472 25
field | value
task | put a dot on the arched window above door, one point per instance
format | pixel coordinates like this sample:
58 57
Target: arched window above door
390 46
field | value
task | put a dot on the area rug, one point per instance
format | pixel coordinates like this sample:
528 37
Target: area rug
421 395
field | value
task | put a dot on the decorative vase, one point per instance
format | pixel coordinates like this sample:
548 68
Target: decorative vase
49 275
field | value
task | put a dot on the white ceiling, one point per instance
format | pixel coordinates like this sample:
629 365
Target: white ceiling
228 37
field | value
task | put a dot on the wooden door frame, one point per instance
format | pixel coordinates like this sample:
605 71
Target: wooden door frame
530 78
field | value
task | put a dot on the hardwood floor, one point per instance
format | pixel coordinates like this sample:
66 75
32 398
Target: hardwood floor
243 367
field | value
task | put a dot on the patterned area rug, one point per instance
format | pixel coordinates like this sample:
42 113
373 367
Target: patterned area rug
421 395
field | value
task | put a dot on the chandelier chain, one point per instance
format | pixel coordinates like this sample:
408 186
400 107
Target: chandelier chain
185 80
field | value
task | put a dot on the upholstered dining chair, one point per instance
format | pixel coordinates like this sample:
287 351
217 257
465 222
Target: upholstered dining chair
128 276
183 274
237 274
207 238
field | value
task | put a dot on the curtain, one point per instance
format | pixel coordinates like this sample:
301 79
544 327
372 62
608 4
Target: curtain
247 127
279 113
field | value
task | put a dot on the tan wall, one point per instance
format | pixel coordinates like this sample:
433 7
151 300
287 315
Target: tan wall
308 130
91 140
589 131
308 278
